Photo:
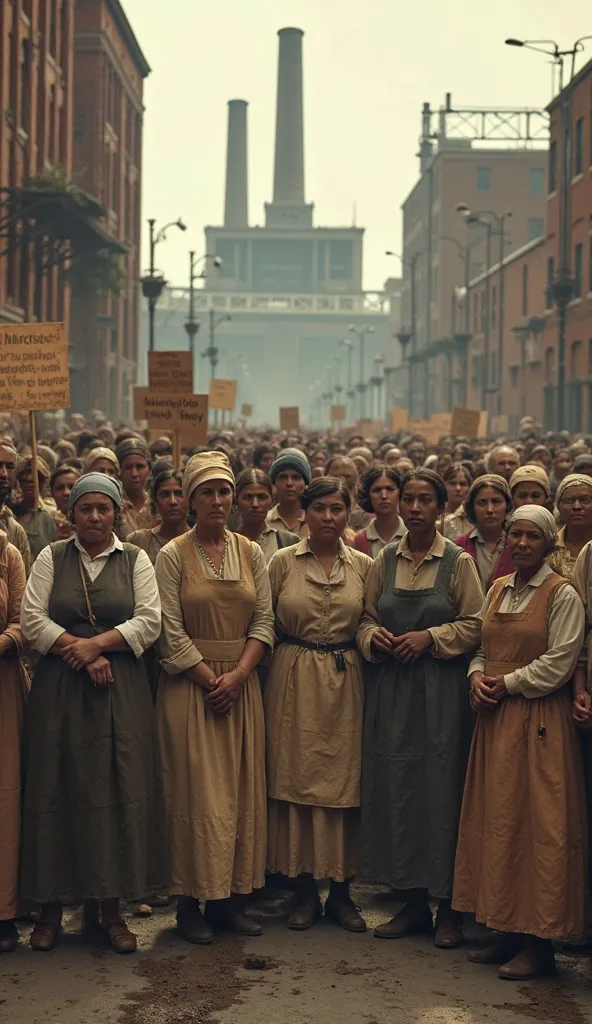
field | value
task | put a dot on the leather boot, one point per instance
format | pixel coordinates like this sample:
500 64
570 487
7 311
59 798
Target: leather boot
9 936
227 915
534 959
339 907
191 923
45 933
308 907
448 933
415 917
499 951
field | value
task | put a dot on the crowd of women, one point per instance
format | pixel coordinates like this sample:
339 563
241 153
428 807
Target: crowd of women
317 658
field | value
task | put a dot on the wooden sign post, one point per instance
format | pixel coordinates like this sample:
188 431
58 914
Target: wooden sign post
171 373
34 374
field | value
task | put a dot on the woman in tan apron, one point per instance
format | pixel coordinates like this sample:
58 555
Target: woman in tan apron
522 848
217 623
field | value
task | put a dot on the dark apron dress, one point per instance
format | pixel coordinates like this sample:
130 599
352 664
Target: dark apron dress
417 736
93 815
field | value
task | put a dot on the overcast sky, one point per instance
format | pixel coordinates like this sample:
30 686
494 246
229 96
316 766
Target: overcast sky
368 67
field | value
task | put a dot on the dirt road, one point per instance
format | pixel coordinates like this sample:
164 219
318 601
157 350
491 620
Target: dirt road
324 976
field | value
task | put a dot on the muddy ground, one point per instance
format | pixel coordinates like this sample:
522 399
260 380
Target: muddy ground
324 976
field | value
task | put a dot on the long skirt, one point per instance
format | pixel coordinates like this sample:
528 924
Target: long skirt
11 729
521 860
319 841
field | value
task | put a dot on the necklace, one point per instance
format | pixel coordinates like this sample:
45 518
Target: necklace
218 573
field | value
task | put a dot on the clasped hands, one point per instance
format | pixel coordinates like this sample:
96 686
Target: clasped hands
486 691
406 647
222 691
87 653
582 711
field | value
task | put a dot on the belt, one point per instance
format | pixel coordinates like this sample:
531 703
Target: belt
313 645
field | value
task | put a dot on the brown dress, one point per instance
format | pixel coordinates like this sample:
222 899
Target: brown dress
522 849
214 766
12 696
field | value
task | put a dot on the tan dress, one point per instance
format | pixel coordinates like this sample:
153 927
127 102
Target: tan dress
522 846
314 716
214 766
12 696
132 520
149 540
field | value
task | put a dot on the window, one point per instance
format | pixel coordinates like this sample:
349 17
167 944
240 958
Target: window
483 179
536 227
579 146
537 181
553 167
524 289
578 270
550 277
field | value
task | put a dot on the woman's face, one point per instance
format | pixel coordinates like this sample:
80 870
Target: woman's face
26 486
575 507
526 544
457 489
253 503
490 509
543 455
384 496
443 462
346 471
392 456
528 494
60 491
94 515
417 452
266 460
318 459
134 474
419 505
212 502
562 465
403 466
327 518
171 504
105 466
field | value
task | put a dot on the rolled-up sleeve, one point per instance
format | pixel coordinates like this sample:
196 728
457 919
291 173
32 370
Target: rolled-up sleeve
478 662
464 634
370 620
41 631
566 636
143 629
262 620
177 651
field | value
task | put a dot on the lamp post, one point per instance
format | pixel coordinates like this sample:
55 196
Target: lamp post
362 386
561 287
192 325
212 351
152 282
409 334
350 393
376 381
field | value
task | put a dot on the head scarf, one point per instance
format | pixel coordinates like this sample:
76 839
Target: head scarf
540 516
48 455
291 458
571 480
100 453
489 480
132 446
26 466
531 474
203 467
96 483
361 451
585 459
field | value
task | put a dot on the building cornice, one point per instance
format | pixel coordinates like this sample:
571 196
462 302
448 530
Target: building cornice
120 18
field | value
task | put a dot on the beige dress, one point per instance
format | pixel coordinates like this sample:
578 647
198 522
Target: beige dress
214 766
12 696
132 520
277 522
314 715
149 540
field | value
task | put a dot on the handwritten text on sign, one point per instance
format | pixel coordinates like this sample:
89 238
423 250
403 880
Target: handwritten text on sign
34 370
187 413
222 394
171 372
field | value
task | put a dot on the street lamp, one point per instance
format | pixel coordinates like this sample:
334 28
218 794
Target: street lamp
212 351
350 391
361 386
376 381
153 283
407 335
192 325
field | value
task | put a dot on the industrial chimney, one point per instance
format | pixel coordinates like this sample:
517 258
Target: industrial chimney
236 205
288 181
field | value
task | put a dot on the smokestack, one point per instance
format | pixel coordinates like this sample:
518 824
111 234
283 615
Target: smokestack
288 180
236 205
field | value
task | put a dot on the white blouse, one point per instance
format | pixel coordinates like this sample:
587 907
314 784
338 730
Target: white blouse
139 632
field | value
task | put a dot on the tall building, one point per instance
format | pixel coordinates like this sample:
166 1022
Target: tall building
287 292
110 69
466 159
36 95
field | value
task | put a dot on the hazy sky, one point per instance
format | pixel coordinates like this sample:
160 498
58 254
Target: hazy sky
368 67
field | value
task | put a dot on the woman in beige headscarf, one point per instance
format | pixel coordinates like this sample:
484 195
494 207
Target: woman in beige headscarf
102 460
573 507
217 623
521 856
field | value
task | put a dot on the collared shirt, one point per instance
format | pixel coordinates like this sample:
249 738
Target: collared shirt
561 560
268 541
274 519
565 630
139 632
375 540
487 557
455 524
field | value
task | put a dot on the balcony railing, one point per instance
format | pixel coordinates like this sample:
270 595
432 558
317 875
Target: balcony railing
366 304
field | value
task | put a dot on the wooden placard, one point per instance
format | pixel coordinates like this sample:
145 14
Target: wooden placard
222 394
34 371
483 421
186 413
289 417
442 420
399 419
338 413
465 422
246 409
500 423
171 373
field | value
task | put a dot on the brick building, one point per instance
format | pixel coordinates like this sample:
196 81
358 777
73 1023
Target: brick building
530 355
110 69
36 93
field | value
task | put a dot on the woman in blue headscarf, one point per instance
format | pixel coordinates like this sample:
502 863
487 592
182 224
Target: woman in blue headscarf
93 796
